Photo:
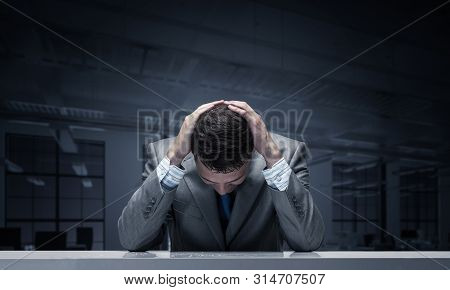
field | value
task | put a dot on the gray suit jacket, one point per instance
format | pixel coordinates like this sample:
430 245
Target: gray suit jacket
261 218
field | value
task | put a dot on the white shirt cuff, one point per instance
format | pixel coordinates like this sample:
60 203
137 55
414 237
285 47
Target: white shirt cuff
169 175
277 176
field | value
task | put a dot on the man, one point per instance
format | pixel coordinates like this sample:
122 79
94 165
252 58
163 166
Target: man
223 184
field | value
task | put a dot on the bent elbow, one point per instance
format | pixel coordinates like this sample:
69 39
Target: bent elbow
316 244
124 238
312 242
317 237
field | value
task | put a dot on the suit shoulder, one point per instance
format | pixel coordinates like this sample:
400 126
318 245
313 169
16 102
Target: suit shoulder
284 142
287 145
161 146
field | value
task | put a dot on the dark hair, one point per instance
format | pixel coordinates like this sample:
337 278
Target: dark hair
222 139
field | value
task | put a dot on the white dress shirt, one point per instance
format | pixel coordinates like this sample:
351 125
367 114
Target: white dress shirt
276 177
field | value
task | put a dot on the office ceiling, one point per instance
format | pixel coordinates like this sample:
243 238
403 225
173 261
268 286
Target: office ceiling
96 63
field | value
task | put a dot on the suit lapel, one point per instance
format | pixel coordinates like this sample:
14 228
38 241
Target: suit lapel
205 197
246 194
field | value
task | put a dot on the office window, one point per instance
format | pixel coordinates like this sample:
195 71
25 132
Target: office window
48 190
356 188
418 207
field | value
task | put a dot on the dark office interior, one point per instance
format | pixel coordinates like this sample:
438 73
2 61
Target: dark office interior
371 77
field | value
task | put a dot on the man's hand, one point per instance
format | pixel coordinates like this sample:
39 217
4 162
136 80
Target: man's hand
262 139
182 144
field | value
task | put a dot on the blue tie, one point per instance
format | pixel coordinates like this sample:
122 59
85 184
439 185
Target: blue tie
226 205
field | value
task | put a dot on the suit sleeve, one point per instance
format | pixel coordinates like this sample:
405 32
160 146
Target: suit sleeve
301 223
141 225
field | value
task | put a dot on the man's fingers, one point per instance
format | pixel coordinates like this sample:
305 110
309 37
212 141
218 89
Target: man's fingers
242 108
249 115
214 103
242 105
208 105
205 107
237 110
199 111
236 103
217 102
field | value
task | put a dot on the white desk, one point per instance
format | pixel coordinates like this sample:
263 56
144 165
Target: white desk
164 260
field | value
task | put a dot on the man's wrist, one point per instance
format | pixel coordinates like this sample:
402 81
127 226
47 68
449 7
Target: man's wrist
277 176
272 155
173 158
169 175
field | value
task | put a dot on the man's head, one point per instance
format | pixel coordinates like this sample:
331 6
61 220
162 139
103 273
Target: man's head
222 144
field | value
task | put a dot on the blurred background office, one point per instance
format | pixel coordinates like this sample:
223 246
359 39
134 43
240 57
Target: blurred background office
75 77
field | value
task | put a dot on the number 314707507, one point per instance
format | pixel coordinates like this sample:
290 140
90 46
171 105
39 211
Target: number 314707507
288 279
